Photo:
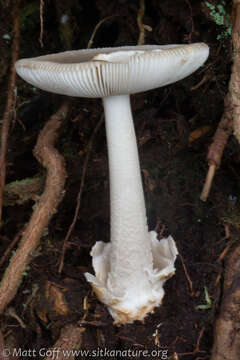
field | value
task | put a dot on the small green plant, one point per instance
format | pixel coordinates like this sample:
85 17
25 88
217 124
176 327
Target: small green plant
208 303
26 272
221 18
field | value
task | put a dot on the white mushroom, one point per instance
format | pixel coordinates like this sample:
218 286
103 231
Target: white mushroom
131 269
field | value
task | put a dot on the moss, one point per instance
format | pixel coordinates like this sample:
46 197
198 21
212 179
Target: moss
20 191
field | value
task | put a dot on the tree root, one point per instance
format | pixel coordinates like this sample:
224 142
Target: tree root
10 102
234 86
49 157
227 336
231 116
70 339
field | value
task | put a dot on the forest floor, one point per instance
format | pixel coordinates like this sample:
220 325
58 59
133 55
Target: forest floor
174 127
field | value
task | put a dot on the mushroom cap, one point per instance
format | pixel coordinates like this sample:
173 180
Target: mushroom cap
104 72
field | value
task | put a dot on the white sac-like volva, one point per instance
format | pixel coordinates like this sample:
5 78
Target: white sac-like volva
133 294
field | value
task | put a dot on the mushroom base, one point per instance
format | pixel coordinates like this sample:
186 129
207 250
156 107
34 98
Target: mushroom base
135 303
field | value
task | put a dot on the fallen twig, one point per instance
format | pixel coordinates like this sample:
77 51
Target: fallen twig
10 247
215 151
142 27
197 346
10 102
190 283
189 37
41 22
90 42
49 157
12 313
79 196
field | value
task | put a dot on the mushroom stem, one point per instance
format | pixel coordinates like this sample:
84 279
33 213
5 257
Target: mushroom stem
131 246
130 270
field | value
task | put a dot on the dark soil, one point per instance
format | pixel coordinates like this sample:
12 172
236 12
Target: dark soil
173 168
